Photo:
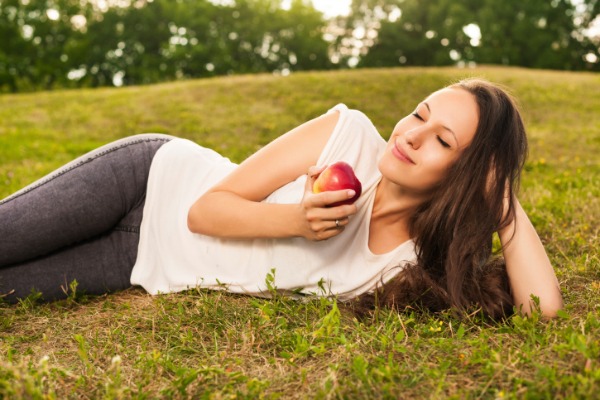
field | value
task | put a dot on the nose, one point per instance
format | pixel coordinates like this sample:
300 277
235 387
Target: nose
414 137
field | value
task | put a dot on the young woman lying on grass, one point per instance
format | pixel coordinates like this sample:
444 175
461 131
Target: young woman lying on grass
168 215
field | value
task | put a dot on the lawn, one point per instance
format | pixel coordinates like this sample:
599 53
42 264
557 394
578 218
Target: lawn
202 344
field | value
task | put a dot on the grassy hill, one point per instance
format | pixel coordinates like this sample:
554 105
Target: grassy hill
215 345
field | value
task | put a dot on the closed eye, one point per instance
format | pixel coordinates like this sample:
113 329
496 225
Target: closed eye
442 142
417 116
445 144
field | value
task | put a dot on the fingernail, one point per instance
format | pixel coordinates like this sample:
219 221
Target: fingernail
351 193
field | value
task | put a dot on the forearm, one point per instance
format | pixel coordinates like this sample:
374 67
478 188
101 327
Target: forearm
529 269
227 215
233 207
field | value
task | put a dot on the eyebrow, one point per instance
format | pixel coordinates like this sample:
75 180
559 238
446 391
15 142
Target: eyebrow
444 126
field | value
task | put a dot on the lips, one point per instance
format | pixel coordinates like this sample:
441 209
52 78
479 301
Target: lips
401 155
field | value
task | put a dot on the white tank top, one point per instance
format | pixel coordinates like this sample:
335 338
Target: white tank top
171 258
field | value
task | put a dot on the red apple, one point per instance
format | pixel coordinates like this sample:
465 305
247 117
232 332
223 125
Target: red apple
338 176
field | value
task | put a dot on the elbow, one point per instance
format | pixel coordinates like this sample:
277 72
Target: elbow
552 304
550 308
193 222
205 216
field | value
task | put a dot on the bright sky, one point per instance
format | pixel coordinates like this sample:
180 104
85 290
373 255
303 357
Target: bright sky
328 7
332 7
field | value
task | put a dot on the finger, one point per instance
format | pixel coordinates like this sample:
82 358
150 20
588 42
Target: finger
330 225
340 223
328 233
327 215
312 175
328 198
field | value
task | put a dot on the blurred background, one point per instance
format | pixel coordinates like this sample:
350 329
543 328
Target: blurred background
50 44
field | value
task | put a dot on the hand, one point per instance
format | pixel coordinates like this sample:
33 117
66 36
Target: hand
321 222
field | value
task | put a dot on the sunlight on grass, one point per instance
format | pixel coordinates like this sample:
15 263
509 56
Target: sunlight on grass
202 344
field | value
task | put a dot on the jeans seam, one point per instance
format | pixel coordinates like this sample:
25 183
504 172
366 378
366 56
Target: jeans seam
83 162
127 228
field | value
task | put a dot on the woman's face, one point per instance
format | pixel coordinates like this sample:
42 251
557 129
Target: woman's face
426 143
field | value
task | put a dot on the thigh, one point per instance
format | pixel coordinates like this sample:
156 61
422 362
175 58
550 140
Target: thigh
85 198
101 265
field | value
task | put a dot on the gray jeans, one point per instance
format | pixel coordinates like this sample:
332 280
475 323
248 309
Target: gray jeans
81 222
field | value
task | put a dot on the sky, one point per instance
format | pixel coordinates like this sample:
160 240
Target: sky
332 7
329 8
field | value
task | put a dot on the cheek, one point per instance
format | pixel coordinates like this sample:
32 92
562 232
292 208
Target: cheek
393 137
402 126
436 165
435 160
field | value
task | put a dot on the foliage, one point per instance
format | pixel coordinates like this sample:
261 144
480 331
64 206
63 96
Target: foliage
531 33
202 344
36 45
538 34
76 43
68 43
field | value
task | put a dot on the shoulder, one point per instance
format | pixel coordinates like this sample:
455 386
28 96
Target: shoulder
355 124
354 139
352 115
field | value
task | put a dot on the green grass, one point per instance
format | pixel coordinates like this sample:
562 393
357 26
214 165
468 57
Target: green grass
201 344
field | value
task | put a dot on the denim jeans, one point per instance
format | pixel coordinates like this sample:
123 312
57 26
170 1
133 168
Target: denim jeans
81 222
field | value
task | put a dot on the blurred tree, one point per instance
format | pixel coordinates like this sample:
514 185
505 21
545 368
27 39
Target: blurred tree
129 45
257 36
71 43
424 32
11 45
192 46
300 32
37 38
588 18
531 33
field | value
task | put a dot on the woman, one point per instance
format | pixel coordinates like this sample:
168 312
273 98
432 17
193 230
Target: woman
421 232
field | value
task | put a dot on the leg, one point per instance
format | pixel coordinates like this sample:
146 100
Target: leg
100 265
82 200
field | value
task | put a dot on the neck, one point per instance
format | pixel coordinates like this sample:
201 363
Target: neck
392 210
394 203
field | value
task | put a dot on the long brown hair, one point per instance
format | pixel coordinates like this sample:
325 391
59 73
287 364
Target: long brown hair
453 230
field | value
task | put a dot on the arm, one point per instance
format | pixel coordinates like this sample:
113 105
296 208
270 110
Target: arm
529 269
233 207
